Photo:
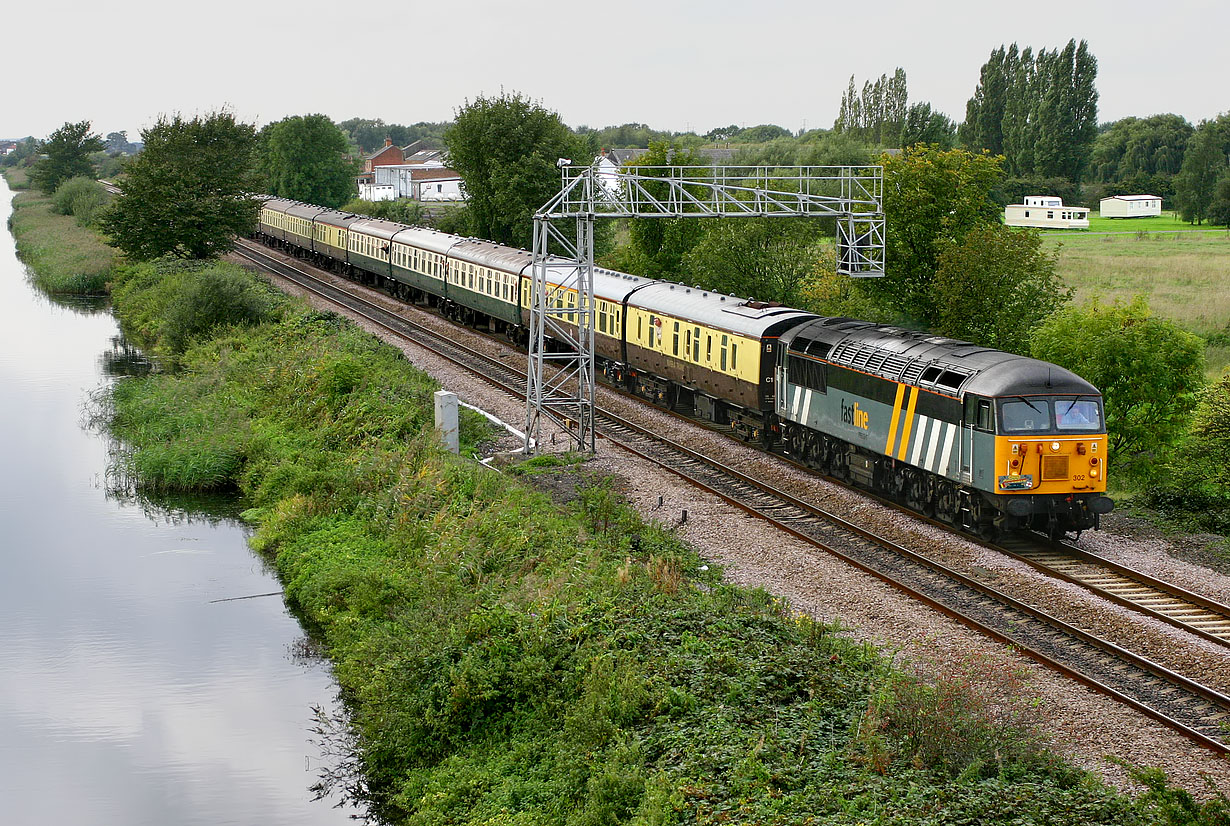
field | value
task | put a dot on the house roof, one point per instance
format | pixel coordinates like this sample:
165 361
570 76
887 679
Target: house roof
425 155
382 150
1133 198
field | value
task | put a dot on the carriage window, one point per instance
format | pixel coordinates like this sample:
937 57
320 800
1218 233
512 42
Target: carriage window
734 356
696 345
723 352
675 340
708 348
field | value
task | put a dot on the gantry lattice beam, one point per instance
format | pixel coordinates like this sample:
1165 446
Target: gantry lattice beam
562 299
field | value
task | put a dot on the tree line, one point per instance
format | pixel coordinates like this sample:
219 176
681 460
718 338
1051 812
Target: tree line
952 267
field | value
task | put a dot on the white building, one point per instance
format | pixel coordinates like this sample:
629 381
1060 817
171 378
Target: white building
377 192
1046 211
422 182
1130 206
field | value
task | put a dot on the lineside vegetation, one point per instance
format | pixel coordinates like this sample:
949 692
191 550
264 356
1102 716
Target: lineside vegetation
64 256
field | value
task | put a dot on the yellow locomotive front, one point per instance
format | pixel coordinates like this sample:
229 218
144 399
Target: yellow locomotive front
1051 448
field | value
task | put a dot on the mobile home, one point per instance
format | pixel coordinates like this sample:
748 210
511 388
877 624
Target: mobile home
1130 206
1046 211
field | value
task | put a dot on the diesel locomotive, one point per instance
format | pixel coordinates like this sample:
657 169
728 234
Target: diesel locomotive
986 440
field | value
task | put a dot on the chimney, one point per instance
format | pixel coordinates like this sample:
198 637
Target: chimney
388 141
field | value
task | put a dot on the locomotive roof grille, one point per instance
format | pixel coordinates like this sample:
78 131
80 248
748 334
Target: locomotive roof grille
896 366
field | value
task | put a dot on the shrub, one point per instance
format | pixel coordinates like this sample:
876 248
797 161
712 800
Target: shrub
968 720
213 299
1196 484
402 210
1148 369
80 197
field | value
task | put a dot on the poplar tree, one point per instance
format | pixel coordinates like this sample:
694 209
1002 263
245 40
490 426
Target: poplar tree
1038 110
877 113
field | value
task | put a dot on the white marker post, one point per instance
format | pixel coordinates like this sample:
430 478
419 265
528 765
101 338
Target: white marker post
446 419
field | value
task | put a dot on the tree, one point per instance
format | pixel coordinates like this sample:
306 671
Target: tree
878 113
304 158
932 198
1219 209
1148 369
1039 111
505 149
922 125
67 150
189 193
995 286
984 112
1131 147
1203 163
764 258
26 149
1068 117
657 246
1199 471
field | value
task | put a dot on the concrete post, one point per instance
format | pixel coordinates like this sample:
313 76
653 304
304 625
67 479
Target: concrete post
446 419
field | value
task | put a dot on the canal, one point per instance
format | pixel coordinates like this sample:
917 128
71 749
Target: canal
128 693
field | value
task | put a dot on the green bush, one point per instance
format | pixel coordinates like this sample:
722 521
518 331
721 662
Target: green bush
212 299
165 305
1195 485
80 197
401 210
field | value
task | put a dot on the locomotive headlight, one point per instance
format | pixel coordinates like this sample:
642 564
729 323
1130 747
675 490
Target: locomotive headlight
1054 445
1093 473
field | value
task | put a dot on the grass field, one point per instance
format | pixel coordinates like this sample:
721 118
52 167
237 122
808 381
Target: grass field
1184 276
1166 222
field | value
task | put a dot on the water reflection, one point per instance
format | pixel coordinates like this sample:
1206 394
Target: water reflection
122 359
131 695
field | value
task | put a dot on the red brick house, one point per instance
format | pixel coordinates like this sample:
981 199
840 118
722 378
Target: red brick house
387 155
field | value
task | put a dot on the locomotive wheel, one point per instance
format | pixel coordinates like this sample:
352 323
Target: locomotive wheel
797 443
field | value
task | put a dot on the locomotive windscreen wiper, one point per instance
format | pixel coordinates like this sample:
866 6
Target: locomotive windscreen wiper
1071 404
1028 402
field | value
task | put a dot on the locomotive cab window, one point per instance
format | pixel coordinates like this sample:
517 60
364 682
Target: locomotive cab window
1078 414
1025 416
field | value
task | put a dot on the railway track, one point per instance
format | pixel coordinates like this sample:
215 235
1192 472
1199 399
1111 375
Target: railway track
1164 601
1199 712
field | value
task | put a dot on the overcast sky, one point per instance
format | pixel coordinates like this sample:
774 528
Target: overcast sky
672 65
